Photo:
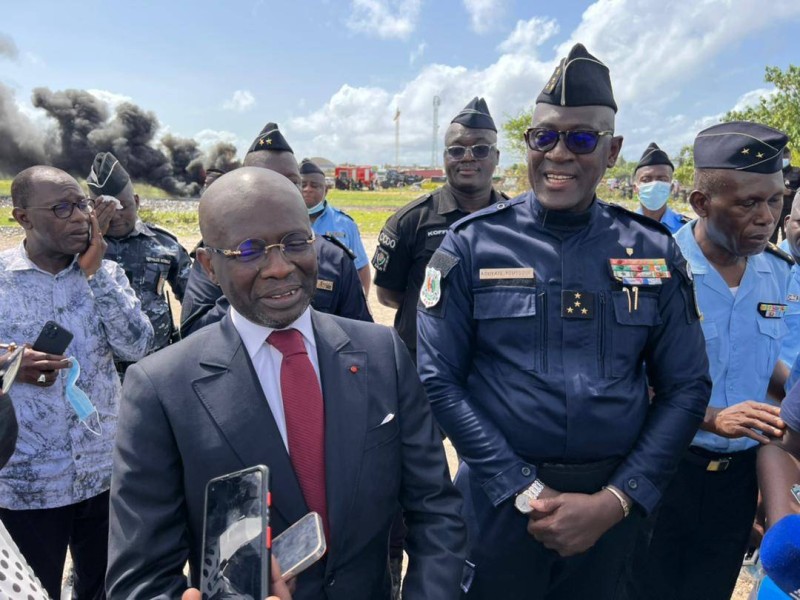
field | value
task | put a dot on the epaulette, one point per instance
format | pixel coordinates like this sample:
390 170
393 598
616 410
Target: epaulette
773 249
401 212
646 221
489 210
341 212
162 230
347 250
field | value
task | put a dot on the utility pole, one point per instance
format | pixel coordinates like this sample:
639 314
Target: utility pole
397 137
436 102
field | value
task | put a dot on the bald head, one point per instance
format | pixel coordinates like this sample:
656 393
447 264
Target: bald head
242 195
23 188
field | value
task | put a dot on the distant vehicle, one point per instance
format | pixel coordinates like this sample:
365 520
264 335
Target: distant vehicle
355 178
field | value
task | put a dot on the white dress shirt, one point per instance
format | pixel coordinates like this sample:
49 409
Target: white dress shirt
267 359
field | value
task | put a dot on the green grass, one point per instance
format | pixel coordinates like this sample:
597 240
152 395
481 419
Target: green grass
378 199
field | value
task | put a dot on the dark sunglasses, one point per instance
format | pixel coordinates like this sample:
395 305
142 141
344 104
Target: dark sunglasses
254 251
478 151
63 210
578 141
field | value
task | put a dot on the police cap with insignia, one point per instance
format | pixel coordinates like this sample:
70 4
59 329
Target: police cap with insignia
579 80
107 177
740 146
308 167
654 155
475 115
270 138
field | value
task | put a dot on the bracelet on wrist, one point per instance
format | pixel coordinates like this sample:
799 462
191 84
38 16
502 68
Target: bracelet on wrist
626 508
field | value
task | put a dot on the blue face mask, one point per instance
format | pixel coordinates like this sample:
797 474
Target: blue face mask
317 209
80 402
654 195
786 162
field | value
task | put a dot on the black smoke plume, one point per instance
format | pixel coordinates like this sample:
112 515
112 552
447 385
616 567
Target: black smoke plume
84 126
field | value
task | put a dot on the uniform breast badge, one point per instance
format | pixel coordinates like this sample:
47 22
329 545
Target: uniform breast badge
431 291
577 304
635 272
771 311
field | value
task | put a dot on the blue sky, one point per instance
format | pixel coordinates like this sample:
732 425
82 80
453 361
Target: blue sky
332 72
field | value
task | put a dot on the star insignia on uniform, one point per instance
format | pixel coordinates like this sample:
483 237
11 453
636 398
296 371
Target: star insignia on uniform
760 155
584 311
260 142
577 295
577 303
269 141
571 310
745 151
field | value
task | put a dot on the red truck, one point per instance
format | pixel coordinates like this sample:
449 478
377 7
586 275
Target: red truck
355 178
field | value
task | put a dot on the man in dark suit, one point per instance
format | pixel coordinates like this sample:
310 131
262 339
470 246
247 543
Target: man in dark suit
226 398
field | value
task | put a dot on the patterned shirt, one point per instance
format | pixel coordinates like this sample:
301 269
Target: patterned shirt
59 461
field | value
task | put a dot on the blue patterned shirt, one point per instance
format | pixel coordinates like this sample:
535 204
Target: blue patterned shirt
58 461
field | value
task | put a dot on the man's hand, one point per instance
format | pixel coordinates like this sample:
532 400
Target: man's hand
743 419
35 364
91 258
278 587
104 211
572 523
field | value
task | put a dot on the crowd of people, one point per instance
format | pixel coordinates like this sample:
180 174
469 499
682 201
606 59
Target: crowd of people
618 385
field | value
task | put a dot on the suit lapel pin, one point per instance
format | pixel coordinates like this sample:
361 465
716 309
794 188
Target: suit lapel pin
353 369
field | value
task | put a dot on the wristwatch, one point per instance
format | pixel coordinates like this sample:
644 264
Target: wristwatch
532 492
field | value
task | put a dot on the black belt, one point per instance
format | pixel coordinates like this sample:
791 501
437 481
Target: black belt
581 478
717 462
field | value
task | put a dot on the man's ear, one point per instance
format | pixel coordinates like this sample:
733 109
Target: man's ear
21 216
136 201
699 201
614 150
204 257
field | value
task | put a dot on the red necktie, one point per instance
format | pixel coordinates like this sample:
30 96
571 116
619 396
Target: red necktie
305 418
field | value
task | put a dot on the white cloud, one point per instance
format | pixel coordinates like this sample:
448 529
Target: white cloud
208 138
529 35
753 98
386 19
240 101
485 15
112 99
654 69
417 53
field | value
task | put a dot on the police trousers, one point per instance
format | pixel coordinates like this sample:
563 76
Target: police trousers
505 561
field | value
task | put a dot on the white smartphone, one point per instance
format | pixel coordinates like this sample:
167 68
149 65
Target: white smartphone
300 546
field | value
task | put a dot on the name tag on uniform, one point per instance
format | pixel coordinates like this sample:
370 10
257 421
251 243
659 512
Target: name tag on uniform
435 232
639 271
155 259
324 284
521 273
771 311
793 298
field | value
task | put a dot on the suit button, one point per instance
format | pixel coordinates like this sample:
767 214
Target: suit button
526 471
633 484
331 580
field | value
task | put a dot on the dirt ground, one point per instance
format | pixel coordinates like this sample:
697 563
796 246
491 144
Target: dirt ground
385 316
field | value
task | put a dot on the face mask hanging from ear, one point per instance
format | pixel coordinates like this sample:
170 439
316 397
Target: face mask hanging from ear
315 210
654 195
80 402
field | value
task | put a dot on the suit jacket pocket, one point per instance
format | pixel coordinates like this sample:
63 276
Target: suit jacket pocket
380 435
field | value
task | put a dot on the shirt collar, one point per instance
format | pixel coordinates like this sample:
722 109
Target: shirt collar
698 261
448 203
254 336
20 261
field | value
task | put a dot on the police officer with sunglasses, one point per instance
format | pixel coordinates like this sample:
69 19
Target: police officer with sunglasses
541 322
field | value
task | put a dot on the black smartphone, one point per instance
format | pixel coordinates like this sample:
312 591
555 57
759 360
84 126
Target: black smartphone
300 546
236 536
53 339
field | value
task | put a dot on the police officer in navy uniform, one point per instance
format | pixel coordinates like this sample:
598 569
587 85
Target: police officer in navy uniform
652 184
150 255
328 220
411 236
541 322
339 290
741 280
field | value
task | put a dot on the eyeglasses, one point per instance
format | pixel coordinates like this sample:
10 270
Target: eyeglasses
63 210
254 251
578 141
478 151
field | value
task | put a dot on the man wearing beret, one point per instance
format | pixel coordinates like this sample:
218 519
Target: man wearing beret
541 322
151 256
339 291
707 512
411 235
328 220
652 183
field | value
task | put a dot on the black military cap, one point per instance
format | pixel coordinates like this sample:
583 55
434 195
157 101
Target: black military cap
579 80
475 115
740 146
270 138
653 155
107 177
307 168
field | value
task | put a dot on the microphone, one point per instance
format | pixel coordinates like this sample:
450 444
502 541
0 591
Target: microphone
780 554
